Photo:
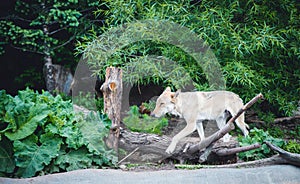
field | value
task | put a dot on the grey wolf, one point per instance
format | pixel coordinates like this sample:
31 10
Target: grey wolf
195 107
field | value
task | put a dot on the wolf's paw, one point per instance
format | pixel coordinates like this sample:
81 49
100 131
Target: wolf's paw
226 138
170 149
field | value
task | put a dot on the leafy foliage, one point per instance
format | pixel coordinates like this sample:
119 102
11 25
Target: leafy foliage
292 146
144 123
256 43
47 28
258 136
6 156
40 132
89 100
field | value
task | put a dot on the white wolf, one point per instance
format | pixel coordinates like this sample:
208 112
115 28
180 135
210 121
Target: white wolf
195 107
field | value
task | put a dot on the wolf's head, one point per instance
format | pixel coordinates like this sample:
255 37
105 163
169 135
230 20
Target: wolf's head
165 103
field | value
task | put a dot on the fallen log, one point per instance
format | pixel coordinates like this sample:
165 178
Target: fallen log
144 148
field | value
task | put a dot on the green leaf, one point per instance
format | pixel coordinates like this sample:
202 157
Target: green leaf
74 159
27 128
73 136
6 156
94 132
32 157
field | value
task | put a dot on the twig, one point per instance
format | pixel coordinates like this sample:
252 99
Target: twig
206 153
128 155
186 147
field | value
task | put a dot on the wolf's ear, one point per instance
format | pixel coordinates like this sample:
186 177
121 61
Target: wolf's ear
168 89
177 92
173 98
174 95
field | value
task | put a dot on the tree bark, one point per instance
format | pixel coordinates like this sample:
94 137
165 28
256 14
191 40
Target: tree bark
225 152
112 94
48 69
58 78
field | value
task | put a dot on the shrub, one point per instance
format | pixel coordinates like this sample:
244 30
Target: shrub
255 42
42 134
258 136
144 123
292 146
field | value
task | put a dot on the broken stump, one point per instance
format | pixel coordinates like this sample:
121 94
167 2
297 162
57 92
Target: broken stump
112 95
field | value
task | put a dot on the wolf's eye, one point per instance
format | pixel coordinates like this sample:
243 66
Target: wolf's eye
161 104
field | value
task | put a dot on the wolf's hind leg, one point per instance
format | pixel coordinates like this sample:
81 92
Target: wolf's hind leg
199 126
240 121
221 121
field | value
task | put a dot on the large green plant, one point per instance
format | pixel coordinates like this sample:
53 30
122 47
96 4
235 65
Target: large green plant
256 43
40 133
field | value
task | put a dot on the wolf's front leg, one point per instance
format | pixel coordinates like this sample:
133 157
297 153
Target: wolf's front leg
171 147
190 128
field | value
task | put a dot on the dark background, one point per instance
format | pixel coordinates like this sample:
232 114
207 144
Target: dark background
14 62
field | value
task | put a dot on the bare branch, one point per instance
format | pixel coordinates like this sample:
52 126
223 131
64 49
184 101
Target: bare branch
284 157
257 163
15 17
65 43
291 158
211 139
69 40
26 50
231 151
128 155
276 120
58 30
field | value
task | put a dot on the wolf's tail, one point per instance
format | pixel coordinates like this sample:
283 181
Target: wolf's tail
240 121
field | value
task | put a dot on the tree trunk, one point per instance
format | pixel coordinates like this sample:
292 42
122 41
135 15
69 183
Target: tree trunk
57 78
112 94
48 69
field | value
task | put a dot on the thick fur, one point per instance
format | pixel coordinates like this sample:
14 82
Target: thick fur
195 107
